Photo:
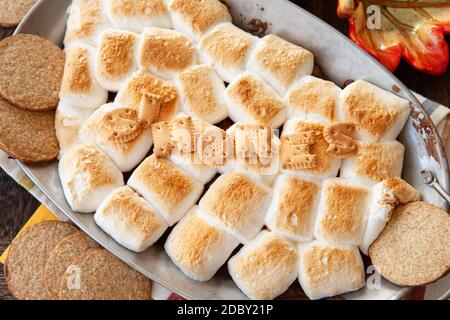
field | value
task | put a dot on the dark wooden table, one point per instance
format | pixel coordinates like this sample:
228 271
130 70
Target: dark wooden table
17 205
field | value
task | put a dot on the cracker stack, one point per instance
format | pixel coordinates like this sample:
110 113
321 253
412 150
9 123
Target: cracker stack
31 70
13 11
54 260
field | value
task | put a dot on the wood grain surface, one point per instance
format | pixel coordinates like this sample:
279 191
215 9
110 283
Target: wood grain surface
17 205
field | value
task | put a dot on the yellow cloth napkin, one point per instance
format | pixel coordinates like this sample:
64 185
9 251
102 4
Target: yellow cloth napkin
41 214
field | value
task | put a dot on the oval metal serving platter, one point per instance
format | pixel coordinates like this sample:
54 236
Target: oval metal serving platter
339 59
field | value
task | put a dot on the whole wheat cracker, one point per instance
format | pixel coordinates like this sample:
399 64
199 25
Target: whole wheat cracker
24 266
62 256
13 11
98 275
31 71
413 249
26 135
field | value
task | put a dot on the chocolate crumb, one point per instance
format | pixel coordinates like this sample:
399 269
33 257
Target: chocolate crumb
317 72
347 82
257 27
395 88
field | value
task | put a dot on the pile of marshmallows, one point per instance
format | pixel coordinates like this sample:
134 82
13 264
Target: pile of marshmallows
315 220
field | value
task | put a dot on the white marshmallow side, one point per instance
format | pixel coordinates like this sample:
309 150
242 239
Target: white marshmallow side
342 213
196 18
374 162
87 176
238 203
68 122
114 83
201 172
164 185
280 63
313 99
248 108
294 207
130 220
125 155
386 196
265 267
166 52
86 20
198 246
220 47
329 270
379 114
80 63
202 93
380 208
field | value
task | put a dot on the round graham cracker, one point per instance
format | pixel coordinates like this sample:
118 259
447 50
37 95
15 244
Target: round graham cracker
27 136
31 70
13 11
98 275
24 267
413 249
62 256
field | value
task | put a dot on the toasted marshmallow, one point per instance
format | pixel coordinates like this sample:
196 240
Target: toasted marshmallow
328 270
342 214
227 49
198 170
265 267
280 63
116 58
374 162
254 172
135 15
171 191
68 122
86 20
198 246
306 158
87 176
130 220
379 114
256 151
294 206
250 100
79 87
202 91
313 99
196 17
116 131
166 52
144 83
386 195
238 203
